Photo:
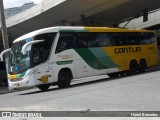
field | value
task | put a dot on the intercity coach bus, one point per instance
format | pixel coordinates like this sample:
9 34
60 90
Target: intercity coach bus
58 55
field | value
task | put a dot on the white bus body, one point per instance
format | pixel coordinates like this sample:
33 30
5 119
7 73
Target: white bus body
57 55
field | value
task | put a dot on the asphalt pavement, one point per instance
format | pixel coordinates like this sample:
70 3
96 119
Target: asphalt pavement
129 93
4 90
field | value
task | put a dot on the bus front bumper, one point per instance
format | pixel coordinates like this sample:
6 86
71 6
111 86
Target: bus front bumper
24 83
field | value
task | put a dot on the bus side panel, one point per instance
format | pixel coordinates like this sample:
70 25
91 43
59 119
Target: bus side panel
153 51
43 73
118 59
97 59
84 62
63 60
123 55
79 61
150 54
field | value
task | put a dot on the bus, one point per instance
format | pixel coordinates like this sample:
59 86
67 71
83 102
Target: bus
59 55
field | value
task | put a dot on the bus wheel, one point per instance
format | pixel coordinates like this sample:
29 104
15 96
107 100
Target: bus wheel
142 66
133 67
43 87
64 79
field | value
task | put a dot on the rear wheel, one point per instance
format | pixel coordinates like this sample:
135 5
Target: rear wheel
64 79
142 66
133 67
43 87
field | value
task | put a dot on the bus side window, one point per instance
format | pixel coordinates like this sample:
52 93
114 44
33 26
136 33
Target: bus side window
82 43
131 38
41 51
117 39
65 42
145 38
152 37
37 54
84 39
74 41
101 40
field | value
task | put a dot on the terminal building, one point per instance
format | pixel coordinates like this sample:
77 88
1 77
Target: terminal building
9 12
105 13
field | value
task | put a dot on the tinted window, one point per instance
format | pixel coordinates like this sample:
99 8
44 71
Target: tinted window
88 39
66 41
131 38
84 40
145 38
101 40
42 50
117 39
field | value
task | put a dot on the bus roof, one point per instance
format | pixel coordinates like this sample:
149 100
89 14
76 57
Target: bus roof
34 33
77 29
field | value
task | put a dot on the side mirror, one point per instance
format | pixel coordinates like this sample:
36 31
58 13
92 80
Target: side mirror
4 52
24 48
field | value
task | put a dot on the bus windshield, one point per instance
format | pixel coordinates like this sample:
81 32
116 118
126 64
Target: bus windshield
36 53
17 61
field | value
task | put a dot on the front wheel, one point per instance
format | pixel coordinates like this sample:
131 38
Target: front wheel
43 87
64 79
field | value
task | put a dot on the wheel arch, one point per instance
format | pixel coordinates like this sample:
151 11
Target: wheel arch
131 61
67 70
143 60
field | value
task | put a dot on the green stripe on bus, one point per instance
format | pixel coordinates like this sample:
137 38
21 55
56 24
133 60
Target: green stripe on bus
103 57
96 58
64 62
90 58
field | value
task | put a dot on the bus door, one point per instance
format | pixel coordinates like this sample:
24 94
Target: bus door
43 68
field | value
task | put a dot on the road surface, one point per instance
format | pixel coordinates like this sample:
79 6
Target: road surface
130 93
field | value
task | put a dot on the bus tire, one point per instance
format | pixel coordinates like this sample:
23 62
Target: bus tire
64 78
142 66
43 87
133 67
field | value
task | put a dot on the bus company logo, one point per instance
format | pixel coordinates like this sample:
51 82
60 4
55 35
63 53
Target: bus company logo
127 50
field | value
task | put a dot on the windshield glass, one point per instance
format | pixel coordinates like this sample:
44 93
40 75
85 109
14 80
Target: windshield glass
36 53
18 62
41 51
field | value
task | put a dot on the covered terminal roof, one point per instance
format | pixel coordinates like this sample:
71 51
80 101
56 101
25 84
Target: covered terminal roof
67 12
